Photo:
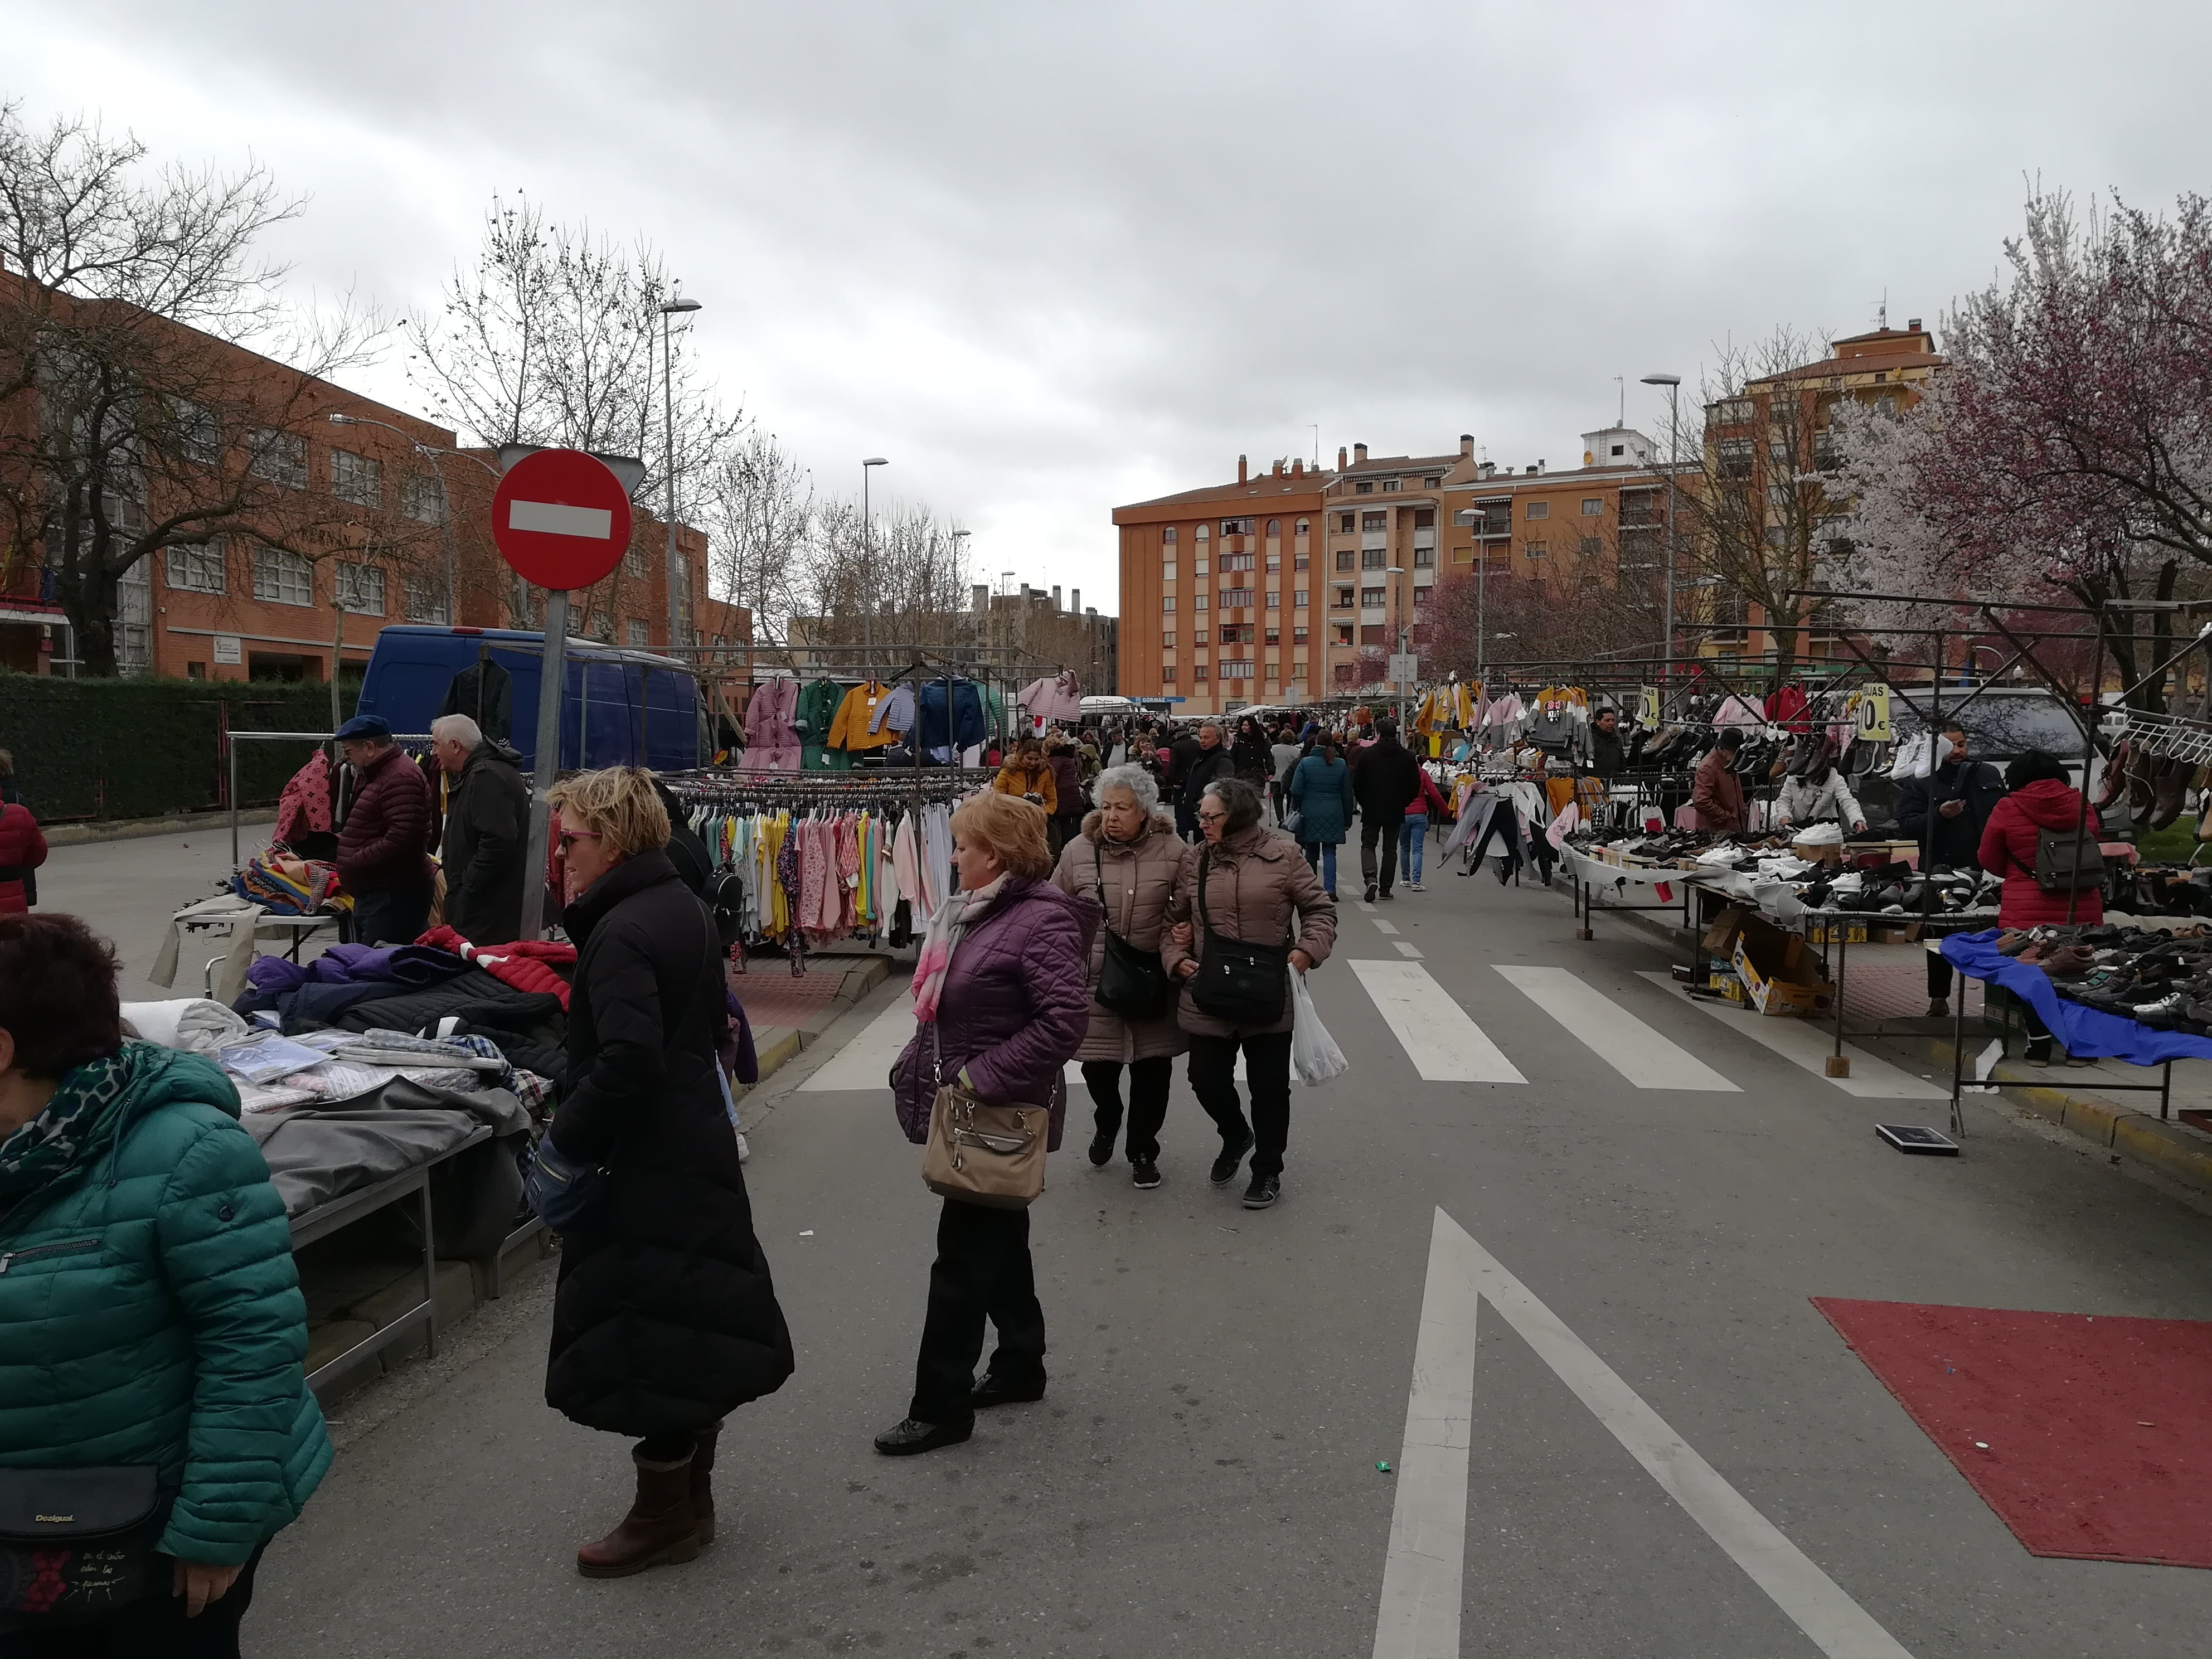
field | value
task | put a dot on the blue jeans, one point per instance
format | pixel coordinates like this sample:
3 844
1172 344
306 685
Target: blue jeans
1322 855
1412 835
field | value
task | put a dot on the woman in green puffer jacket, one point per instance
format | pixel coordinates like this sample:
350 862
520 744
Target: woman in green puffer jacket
149 1312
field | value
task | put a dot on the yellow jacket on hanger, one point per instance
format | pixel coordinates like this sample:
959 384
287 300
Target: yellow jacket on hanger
850 730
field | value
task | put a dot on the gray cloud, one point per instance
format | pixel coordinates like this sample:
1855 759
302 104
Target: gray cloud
1049 258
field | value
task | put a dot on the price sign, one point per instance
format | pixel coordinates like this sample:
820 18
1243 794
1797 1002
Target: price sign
1873 723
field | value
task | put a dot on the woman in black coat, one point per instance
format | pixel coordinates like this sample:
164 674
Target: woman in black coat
665 1318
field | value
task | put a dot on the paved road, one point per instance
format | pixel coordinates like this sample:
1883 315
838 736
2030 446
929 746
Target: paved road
128 890
1202 1477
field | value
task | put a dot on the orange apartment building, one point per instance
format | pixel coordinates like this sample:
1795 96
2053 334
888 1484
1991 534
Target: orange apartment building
385 500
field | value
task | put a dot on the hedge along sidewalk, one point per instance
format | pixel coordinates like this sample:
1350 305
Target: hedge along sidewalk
107 749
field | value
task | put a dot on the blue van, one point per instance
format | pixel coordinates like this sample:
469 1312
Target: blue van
618 708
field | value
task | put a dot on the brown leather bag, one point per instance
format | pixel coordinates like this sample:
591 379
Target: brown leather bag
980 1153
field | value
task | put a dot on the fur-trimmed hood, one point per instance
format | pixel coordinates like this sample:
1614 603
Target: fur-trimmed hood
1161 824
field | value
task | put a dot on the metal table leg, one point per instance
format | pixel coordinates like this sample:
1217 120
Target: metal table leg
429 1266
1840 1063
1958 1058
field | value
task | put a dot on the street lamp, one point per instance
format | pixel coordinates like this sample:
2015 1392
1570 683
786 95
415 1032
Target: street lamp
867 548
431 453
1674 384
669 311
1398 603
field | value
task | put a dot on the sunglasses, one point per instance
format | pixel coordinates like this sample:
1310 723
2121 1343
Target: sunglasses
569 836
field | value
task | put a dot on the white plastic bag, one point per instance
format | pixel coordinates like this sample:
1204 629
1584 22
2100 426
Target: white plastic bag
1314 1054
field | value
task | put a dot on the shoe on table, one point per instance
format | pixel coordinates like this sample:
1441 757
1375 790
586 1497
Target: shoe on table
1145 1173
1263 1192
1224 1167
910 1436
1102 1149
990 1391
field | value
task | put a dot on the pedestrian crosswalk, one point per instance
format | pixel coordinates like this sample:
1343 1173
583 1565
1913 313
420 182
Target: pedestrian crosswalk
1463 1034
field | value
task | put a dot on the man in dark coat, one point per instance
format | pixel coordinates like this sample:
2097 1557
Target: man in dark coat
384 845
487 831
1947 813
1605 745
665 1318
1386 779
1209 760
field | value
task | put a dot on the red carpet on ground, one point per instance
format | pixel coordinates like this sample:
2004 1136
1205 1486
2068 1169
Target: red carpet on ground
2090 1436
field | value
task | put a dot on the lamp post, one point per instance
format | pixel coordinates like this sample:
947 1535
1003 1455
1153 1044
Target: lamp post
1674 384
868 548
668 312
433 453
1398 603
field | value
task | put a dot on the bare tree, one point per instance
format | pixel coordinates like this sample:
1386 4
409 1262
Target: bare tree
760 513
552 337
135 415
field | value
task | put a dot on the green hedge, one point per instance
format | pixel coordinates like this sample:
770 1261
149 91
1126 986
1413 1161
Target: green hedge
132 748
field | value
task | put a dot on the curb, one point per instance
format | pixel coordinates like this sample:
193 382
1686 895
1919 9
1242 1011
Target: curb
777 1046
86 834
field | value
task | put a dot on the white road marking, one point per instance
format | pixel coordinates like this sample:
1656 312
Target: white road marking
1613 1034
1406 949
1807 1044
863 1062
1445 1045
1382 927
1421 1576
1362 904
1815 1602
551 519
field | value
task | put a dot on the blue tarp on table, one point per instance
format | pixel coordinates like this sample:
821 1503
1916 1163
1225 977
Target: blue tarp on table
2090 1033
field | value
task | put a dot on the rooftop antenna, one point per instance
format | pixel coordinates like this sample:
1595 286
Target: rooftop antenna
1622 382
1882 311
1317 432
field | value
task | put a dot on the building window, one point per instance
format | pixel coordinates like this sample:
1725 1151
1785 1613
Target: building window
1343 600
1302 562
1592 546
1374 521
1424 558
1167 606
1373 632
1167 674
1373 558
1274 636
1371 598
1275 562
1433 481
194 434
1236 598
1345 522
1424 517
1274 528
421 499
1235 670
1539 509
1200 533
280 578
1197 672
1302 527
1593 506
1198 567
1298 636
1167 571
1343 634
426 601
1344 558
1237 526
1167 537
1345 671
1274 600
1886 404
360 588
279 457
1533 549
1235 562
1298 599
641 634
195 569
1274 673
1199 603
1393 483
1198 636
1365 488
356 478
1167 640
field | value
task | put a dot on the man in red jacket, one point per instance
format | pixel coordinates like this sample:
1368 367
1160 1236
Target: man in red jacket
384 846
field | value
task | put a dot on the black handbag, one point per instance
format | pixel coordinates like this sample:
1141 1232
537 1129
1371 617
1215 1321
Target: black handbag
76 1546
1132 983
1237 982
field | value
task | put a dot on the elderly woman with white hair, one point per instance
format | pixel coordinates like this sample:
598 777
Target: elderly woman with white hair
1130 860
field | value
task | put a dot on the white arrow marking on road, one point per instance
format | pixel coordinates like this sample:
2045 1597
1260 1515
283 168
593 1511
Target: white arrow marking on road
1445 1045
1815 1602
551 519
1613 1034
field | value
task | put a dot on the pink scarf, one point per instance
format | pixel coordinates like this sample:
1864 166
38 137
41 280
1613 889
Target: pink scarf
940 939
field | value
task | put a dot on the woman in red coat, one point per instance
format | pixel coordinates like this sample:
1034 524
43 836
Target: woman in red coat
22 847
2039 799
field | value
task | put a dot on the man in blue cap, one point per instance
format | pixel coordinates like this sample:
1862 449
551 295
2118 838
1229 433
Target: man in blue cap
384 845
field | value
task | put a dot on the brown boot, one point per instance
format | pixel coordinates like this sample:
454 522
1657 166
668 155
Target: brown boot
703 1493
659 1528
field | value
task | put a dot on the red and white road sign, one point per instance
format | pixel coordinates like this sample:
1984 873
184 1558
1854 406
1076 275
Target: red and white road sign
561 519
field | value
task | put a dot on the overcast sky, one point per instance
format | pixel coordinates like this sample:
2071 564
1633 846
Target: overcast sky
1051 258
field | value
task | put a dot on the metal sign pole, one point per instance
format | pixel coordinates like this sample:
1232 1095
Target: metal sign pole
551 671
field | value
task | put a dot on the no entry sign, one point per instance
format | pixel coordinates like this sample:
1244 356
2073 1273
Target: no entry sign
561 519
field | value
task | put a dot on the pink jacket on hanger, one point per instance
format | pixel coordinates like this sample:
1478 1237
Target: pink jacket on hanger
1060 698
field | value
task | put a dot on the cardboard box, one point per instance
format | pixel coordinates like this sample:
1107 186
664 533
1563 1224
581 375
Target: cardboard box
1850 933
1720 935
1780 973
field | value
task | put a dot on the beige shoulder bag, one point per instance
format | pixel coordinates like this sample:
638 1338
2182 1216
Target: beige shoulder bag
980 1153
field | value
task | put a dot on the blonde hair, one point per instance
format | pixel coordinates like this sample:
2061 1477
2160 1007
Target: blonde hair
1011 828
619 804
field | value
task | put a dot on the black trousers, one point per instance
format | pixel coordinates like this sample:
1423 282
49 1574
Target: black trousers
155 1625
395 915
982 1270
1374 829
1267 1076
1149 1081
1939 977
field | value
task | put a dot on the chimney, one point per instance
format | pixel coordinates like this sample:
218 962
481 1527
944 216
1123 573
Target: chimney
1340 458
1240 469
1299 467
1025 590
1540 467
1055 596
981 591
1466 445
1914 325
1359 455
1278 469
1074 600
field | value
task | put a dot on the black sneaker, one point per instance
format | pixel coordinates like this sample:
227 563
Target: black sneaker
990 1390
1263 1192
1224 1167
911 1436
1143 1172
1102 1149
1383 893
1370 892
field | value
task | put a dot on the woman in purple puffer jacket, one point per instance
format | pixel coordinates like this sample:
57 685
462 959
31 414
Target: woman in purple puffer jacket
1004 978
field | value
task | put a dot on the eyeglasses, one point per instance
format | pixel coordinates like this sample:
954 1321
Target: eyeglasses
1213 818
570 836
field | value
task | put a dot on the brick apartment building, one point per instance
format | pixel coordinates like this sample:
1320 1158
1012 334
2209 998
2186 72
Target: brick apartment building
374 504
